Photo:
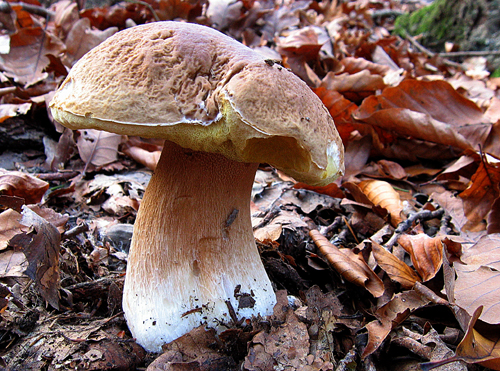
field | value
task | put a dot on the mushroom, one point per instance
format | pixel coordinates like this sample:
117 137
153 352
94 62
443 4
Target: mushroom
222 109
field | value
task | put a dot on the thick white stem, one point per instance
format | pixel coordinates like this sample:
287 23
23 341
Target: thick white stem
193 254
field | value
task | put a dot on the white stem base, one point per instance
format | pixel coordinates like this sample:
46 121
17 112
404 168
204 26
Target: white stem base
193 253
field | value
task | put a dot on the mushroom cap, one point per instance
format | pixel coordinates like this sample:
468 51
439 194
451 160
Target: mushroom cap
195 86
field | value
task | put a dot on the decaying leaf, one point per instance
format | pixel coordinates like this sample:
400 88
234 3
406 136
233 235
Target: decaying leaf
478 346
382 194
481 193
16 183
426 253
389 316
41 246
351 266
98 147
396 269
478 280
428 110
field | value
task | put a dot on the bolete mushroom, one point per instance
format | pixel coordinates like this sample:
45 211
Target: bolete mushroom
222 109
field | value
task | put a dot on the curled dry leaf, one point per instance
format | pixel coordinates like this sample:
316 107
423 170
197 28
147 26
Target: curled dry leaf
16 183
341 110
382 194
350 265
396 269
426 253
389 316
428 110
482 192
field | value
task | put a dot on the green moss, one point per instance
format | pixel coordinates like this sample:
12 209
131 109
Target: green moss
496 73
433 23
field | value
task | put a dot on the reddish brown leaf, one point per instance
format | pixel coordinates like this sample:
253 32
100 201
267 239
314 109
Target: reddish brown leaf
16 183
432 111
396 269
382 194
27 58
481 193
426 253
351 266
341 110
391 315
478 280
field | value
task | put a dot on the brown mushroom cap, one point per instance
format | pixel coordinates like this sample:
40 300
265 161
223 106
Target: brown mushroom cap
197 87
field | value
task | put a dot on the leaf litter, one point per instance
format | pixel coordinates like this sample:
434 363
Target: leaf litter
393 265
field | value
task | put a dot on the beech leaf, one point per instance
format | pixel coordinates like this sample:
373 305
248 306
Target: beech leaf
349 265
426 253
396 269
382 194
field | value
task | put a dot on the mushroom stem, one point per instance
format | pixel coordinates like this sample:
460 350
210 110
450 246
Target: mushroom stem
193 253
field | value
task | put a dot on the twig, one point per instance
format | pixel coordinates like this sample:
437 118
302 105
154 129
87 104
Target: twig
406 224
430 54
6 7
469 53
80 228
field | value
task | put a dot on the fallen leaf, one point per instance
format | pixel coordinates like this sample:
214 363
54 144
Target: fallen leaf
396 269
428 110
478 279
16 183
426 253
382 194
41 247
481 193
350 265
284 347
391 315
81 38
98 147
27 58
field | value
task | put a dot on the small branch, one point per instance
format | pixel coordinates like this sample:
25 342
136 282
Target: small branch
406 224
469 53
6 7
80 228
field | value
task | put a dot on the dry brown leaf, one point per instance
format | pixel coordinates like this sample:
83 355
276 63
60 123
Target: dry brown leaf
396 269
41 247
98 147
493 218
26 61
427 110
355 65
426 253
143 156
391 169
382 194
285 347
350 265
354 87
81 38
341 110
478 279
16 183
477 346
391 315
481 193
